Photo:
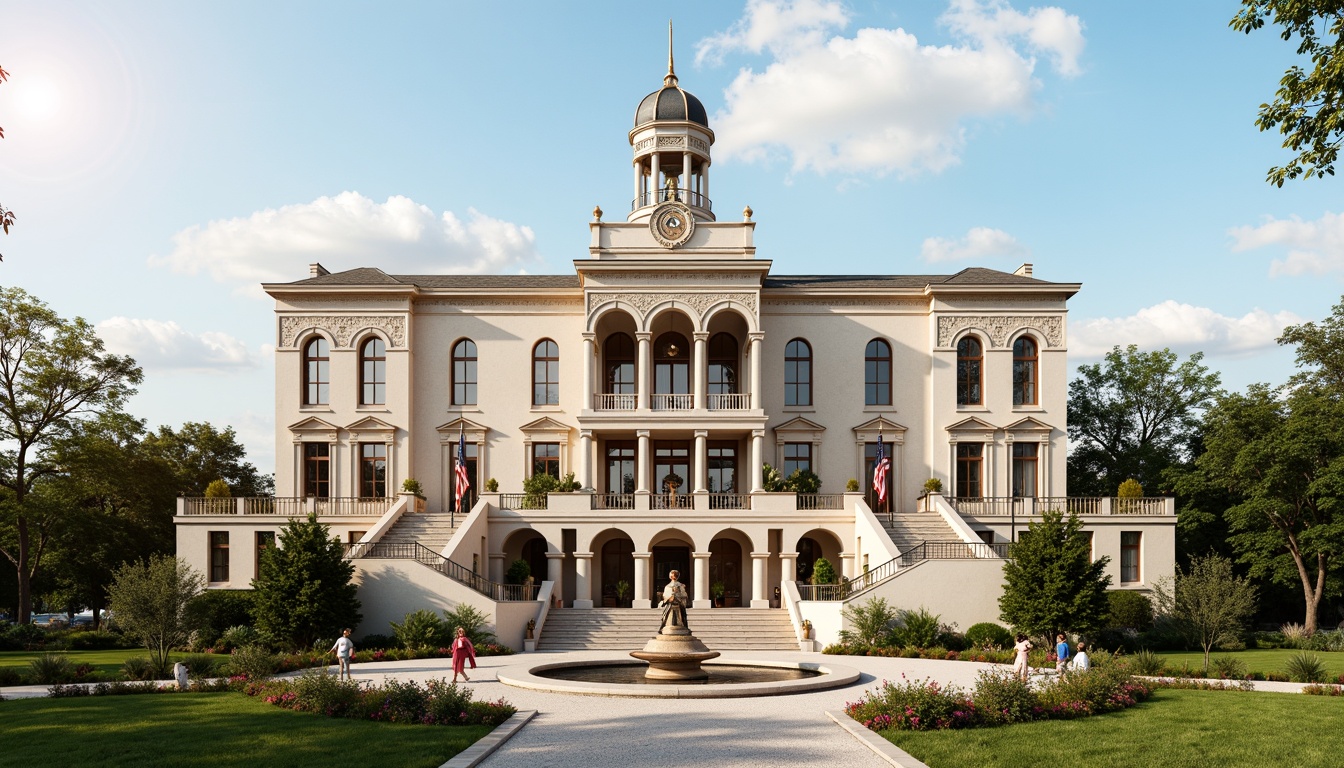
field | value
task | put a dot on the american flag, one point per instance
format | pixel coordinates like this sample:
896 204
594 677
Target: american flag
463 483
880 469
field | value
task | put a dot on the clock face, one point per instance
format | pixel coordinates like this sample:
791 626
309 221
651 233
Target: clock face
672 224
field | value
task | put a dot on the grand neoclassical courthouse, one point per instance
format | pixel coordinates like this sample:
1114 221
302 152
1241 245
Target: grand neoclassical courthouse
664 372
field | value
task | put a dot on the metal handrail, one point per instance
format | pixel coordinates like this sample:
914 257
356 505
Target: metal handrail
455 571
951 550
522 501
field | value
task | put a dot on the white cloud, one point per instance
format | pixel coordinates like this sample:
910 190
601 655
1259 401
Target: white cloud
1181 327
880 101
349 230
979 243
166 346
1314 247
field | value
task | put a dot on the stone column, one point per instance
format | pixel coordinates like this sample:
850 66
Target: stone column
757 457
701 581
555 567
497 567
757 402
655 168
586 459
643 369
704 180
686 171
788 566
639 176
642 560
700 363
701 472
642 462
759 597
847 564
589 358
583 590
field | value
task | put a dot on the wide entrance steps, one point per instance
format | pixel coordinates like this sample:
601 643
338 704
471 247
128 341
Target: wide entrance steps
628 629
910 528
432 529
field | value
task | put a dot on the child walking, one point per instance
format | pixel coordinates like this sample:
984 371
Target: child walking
463 651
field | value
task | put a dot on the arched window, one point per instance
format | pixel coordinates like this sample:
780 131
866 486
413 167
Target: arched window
969 363
373 372
877 373
722 364
797 373
316 372
1024 371
618 356
464 372
546 373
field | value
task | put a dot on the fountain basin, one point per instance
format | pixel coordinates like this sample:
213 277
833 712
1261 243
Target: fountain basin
800 677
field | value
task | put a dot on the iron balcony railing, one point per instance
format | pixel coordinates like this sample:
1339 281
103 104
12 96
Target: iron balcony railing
522 501
1008 506
666 195
613 501
608 402
455 571
814 501
952 550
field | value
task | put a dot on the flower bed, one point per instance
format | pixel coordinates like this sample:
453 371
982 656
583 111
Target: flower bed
435 702
997 699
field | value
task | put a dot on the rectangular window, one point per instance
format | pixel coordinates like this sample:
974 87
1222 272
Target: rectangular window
969 461
317 470
219 556
621 463
1091 546
373 470
721 466
265 541
1130 542
469 498
1024 470
546 459
796 456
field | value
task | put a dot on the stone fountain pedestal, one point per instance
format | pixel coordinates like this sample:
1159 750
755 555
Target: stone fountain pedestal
675 654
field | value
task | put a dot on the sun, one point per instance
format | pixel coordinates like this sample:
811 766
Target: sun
35 98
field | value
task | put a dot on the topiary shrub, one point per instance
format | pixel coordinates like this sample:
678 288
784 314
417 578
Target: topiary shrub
492 485
1128 609
217 489
987 634
823 572
852 485
1130 489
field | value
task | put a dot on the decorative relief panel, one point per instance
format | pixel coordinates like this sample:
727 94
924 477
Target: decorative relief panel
682 277
643 302
836 302
644 144
342 327
999 326
671 141
699 144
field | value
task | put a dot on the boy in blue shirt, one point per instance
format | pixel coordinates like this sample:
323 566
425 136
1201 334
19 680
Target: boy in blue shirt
1061 654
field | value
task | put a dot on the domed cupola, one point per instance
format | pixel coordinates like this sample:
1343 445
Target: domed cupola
671 141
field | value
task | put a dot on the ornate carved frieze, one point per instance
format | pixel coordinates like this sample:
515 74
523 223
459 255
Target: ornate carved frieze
644 144
699 144
671 141
839 302
643 302
476 302
999 326
682 277
342 327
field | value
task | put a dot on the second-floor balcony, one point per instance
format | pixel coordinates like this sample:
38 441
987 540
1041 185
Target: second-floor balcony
671 402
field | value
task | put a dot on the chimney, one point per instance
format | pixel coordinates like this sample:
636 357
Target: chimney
317 270
1024 270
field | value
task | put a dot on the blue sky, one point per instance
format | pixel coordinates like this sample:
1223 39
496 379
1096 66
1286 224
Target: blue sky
163 158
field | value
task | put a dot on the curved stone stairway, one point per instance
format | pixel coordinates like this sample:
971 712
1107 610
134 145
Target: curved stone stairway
628 629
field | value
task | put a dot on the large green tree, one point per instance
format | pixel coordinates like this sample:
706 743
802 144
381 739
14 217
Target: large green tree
1133 415
199 454
54 373
303 587
1050 582
1308 108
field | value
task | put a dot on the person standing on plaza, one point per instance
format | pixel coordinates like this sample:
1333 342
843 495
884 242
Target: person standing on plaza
1081 662
1061 654
344 650
1020 668
463 651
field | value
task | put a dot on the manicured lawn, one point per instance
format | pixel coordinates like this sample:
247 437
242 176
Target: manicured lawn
211 729
1262 660
1174 729
108 663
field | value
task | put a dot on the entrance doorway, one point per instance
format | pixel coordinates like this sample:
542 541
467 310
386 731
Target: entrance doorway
725 569
671 558
618 565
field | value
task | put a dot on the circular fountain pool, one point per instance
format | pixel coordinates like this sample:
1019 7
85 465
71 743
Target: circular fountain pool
729 678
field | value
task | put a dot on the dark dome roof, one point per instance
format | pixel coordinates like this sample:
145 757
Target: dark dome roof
670 103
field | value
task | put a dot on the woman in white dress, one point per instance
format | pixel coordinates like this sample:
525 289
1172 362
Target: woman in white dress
1023 647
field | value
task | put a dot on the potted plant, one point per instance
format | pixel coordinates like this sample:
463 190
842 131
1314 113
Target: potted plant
492 486
716 591
672 481
623 591
412 486
732 599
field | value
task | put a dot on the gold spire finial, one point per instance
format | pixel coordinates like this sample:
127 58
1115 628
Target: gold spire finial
671 77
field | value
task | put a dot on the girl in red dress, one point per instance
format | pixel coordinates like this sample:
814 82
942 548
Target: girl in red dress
462 651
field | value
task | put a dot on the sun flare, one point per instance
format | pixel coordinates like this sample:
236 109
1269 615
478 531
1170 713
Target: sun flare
35 98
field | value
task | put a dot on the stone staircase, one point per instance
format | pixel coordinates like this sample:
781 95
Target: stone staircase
432 529
910 528
628 629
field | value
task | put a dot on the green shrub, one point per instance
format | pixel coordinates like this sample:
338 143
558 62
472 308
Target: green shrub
823 572
26 636
238 636
470 619
933 485
421 629
50 668
492 485
852 485
253 661
95 640
1145 662
1227 668
1305 668
518 572
201 664
411 485
1102 690
1296 636
1125 608
987 634
139 668
919 628
216 610
10 676
376 642
803 481
317 691
870 622
217 489
1004 698
913 706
